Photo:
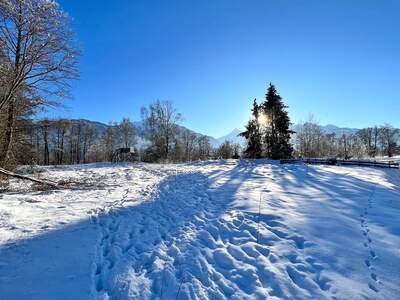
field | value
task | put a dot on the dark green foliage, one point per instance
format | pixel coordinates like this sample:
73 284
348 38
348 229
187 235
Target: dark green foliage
277 132
253 135
268 133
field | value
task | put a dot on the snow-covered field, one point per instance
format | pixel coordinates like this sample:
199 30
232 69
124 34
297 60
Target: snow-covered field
395 158
211 230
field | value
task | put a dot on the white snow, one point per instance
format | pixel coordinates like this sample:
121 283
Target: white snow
206 230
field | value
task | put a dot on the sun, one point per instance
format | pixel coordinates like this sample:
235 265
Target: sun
262 119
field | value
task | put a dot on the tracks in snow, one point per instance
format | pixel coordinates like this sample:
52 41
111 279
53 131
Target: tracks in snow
372 256
108 219
188 242
129 235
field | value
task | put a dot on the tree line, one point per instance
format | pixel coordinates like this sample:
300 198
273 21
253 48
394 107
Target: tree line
157 138
63 141
311 141
170 142
268 135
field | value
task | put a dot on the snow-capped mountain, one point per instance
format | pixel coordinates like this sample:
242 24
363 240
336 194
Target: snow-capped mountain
233 137
338 130
328 129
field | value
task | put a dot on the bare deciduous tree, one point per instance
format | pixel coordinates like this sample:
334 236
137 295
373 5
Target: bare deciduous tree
204 148
61 126
189 141
45 128
309 138
225 151
127 132
160 120
109 142
88 136
38 58
388 138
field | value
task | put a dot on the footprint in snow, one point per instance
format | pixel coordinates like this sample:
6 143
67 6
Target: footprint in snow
372 287
367 263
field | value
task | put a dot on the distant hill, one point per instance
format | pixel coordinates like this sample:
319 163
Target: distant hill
141 134
233 137
338 130
328 129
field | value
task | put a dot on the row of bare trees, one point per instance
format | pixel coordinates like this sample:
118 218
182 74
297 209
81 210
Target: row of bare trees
311 141
159 138
38 58
64 141
61 141
170 142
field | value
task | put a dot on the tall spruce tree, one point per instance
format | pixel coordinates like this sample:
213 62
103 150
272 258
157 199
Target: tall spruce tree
277 132
253 134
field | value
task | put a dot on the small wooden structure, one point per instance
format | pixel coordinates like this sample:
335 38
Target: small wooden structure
124 154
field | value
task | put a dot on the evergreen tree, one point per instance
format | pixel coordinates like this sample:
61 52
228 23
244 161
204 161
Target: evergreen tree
253 134
277 132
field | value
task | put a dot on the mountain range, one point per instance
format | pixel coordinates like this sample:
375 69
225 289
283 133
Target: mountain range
328 129
232 136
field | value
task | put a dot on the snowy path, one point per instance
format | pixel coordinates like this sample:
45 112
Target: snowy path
213 230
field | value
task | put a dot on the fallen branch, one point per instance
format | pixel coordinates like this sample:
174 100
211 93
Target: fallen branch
23 177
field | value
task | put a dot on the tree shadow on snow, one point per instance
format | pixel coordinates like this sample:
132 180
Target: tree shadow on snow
170 245
81 260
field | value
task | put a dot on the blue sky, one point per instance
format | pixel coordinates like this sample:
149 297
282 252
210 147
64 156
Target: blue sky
336 59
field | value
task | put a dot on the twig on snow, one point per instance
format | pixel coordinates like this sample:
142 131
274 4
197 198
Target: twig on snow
179 289
162 284
258 220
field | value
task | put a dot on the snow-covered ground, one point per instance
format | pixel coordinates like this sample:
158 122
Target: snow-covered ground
395 158
210 230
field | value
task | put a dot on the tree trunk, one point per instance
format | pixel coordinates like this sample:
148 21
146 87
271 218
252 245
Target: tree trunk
8 135
61 158
10 98
46 156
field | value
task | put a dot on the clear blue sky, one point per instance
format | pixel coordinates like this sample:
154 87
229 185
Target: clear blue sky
339 60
